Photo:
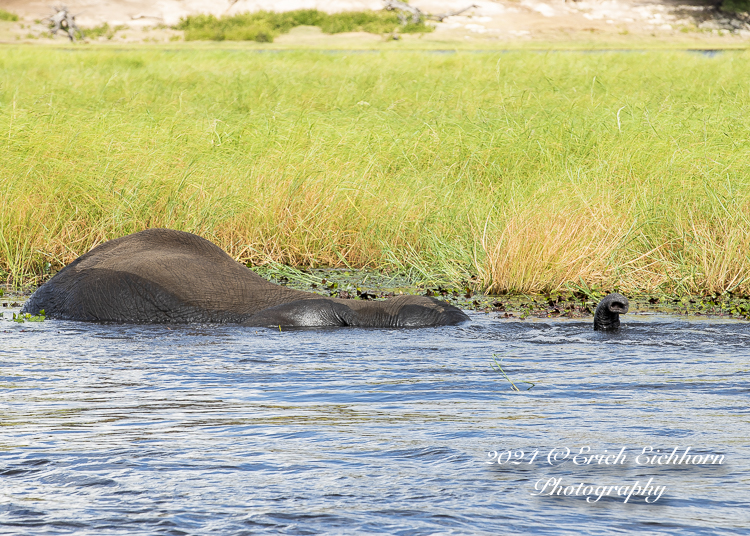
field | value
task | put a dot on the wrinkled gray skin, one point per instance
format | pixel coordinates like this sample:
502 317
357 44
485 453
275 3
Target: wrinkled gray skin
162 276
607 314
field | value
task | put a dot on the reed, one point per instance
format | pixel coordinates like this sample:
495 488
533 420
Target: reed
532 171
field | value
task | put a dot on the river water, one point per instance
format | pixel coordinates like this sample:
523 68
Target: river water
115 429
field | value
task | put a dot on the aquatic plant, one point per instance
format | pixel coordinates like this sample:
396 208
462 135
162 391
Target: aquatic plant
27 317
496 365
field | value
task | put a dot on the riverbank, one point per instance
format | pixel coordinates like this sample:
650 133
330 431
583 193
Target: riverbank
517 172
572 302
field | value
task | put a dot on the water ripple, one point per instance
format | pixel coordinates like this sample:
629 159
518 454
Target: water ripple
220 429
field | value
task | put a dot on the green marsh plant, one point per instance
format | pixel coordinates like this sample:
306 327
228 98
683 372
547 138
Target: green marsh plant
497 366
20 318
520 172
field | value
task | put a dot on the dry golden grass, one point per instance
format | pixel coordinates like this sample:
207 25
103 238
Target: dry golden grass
542 249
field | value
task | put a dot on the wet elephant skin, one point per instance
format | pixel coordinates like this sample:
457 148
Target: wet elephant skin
167 276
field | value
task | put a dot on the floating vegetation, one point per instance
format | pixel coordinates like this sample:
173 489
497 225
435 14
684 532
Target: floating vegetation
499 368
27 317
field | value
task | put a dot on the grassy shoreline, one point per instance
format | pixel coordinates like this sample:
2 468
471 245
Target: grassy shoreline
572 303
518 172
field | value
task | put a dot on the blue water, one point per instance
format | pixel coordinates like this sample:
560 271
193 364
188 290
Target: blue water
112 429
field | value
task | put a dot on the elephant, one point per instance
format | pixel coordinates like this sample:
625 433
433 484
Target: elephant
607 314
163 276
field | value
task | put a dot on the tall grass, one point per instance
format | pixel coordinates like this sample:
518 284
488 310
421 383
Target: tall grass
532 171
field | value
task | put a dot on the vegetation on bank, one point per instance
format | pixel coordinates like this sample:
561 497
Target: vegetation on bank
103 30
8 16
263 26
733 6
512 172
574 301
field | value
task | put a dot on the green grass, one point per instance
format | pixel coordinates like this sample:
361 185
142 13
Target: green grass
7 15
263 26
103 29
532 171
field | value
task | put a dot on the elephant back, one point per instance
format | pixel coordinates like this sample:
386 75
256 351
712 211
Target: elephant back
157 275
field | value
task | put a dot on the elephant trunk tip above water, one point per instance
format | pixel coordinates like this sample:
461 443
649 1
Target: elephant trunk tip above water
607 314
167 276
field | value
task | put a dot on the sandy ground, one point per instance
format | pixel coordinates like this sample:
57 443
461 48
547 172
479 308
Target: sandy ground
493 21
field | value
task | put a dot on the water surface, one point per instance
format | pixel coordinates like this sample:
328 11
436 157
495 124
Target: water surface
115 429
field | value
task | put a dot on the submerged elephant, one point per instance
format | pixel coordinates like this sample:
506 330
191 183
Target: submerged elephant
166 276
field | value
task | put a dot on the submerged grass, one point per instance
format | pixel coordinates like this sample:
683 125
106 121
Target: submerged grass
497 367
523 172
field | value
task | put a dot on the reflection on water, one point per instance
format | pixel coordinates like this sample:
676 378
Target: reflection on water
220 429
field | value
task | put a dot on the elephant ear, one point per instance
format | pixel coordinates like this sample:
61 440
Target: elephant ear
304 313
